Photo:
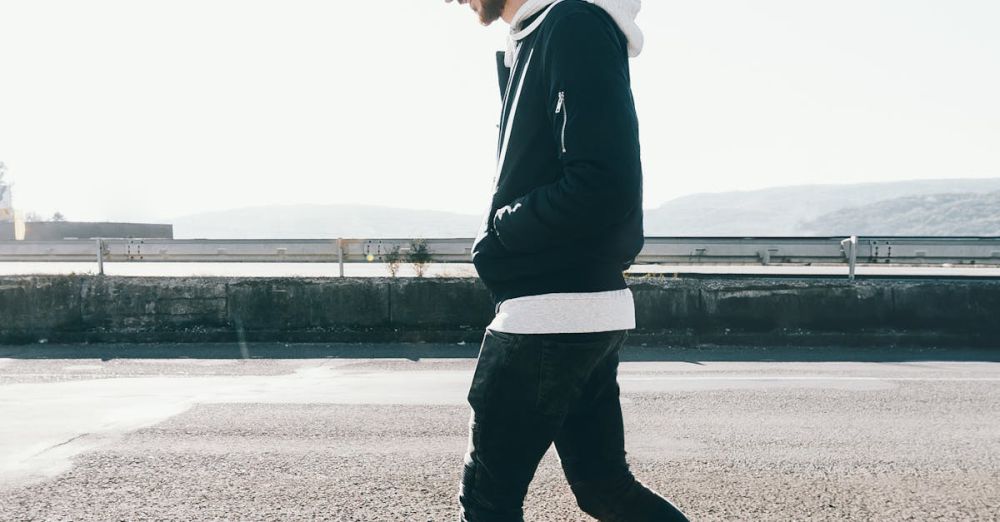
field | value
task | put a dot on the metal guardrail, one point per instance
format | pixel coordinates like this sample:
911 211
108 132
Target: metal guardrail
910 251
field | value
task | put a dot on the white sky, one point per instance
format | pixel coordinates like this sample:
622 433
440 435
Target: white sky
133 109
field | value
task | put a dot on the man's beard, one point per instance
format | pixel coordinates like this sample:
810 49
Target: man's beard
491 10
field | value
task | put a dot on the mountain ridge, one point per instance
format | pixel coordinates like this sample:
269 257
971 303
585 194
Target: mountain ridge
794 210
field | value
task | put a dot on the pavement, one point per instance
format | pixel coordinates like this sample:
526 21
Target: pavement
725 434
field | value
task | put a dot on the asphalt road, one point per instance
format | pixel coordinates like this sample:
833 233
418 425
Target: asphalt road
382 439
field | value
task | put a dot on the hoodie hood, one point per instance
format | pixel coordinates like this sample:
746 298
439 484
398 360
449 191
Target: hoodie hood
623 12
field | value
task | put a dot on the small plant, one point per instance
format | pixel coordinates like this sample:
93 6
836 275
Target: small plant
419 256
393 258
653 277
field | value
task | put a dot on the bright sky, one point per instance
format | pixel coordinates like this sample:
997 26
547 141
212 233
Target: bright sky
136 110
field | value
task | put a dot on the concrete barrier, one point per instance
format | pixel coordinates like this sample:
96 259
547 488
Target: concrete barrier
692 310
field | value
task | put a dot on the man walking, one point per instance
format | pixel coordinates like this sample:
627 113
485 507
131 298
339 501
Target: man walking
565 221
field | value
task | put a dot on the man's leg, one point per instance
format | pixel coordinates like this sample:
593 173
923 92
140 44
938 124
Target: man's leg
521 391
591 446
505 444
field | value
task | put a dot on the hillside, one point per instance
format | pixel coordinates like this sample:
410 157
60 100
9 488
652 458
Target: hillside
786 210
930 215
780 211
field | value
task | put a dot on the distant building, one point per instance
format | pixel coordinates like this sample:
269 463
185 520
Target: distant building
8 230
18 225
13 227
6 207
58 230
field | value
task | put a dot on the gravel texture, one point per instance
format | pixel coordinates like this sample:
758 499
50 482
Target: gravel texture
724 441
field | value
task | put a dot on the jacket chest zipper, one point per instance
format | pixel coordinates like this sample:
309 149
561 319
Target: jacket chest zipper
561 108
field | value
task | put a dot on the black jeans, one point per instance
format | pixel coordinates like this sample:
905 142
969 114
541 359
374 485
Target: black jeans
531 390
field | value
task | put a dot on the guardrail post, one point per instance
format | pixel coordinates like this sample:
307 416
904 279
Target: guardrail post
100 256
340 254
850 246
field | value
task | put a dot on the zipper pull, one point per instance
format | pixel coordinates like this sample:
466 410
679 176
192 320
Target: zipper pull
561 108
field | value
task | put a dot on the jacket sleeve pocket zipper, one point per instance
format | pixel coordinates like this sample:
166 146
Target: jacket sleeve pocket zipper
561 108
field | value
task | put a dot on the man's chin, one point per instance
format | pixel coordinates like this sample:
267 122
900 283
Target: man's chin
487 20
490 11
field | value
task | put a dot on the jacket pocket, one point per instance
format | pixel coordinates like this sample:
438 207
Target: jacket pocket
492 368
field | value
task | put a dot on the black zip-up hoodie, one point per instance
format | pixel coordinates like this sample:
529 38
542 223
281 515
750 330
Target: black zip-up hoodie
566 213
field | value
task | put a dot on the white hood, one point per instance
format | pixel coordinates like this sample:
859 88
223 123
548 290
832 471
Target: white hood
623 12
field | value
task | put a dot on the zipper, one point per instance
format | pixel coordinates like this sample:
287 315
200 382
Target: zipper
561 108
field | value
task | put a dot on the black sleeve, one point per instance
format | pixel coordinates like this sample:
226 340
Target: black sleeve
586 79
